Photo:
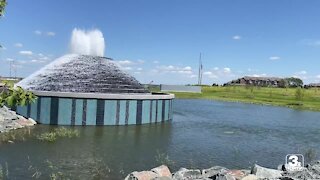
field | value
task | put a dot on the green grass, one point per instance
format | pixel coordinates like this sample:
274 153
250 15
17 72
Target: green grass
259 95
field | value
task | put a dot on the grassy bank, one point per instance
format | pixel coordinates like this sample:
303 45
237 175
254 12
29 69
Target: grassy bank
289 97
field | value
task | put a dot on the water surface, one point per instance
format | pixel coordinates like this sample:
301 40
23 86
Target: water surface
203 134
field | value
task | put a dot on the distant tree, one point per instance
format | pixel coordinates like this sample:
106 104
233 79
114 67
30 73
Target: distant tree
294 82
283 83
3 4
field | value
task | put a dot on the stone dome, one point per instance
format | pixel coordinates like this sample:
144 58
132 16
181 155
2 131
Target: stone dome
82 74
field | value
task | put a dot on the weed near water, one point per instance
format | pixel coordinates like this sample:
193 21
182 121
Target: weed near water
58 133
163 158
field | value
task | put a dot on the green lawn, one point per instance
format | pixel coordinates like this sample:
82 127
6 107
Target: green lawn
259 95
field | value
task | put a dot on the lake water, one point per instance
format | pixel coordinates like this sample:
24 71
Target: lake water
203 134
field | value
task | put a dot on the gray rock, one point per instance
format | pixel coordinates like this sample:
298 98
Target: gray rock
250 177
162 178
262 172
143 175
213 171
162 171
303 174
224 177
184 174
314 168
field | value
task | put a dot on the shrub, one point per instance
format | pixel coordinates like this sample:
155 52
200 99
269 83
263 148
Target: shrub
14 96
299 94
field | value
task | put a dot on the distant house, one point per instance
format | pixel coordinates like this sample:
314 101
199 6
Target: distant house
313 85
256 81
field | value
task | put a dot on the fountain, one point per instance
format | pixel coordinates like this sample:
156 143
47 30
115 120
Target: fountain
91 90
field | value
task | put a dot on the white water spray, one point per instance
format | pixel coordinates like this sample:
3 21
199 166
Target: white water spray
87 42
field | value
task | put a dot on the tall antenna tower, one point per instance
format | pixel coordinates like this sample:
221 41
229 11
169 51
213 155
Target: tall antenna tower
200 71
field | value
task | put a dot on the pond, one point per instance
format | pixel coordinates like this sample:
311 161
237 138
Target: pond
203 133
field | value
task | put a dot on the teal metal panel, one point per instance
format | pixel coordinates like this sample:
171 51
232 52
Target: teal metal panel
154 109
166 111
34 110
110 111
22 110
91 112
132 112
122 113
159 111
146 111
64 112
79 112
171 109
45 110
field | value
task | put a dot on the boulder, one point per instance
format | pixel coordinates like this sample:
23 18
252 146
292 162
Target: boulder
237 174
184 174
262 172
213 171
162 171
223 177
302 174
250 177
143 175
162 178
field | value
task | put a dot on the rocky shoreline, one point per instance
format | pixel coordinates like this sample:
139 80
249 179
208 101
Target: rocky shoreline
309 172
10 120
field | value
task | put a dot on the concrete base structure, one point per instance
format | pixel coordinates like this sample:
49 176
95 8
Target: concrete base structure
61 108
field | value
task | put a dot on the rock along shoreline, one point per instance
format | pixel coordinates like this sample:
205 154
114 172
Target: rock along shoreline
10 120
309 172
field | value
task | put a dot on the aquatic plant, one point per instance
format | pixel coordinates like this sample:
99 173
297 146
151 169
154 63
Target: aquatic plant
59 132
4 172
310 155
163 158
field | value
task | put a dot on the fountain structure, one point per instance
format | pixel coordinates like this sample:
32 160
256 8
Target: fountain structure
91 90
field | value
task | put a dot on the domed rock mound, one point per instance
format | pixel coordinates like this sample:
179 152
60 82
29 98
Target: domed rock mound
82 74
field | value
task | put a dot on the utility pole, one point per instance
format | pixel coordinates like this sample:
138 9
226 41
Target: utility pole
200 71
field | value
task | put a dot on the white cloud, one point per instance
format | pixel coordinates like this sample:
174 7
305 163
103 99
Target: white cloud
174 69
37 32
50 33
3 48
18 45
318 76
303 72
226 70
9 59
216 68
37 61
137 72
124 62
140 61
236 37
257 75
139 69
274 58
207 73
156 62
29 53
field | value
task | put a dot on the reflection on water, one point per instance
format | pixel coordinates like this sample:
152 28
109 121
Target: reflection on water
202 134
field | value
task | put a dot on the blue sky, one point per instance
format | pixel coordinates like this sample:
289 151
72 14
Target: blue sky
160 41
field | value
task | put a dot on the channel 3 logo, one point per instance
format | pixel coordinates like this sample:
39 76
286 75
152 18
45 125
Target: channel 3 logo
294 162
